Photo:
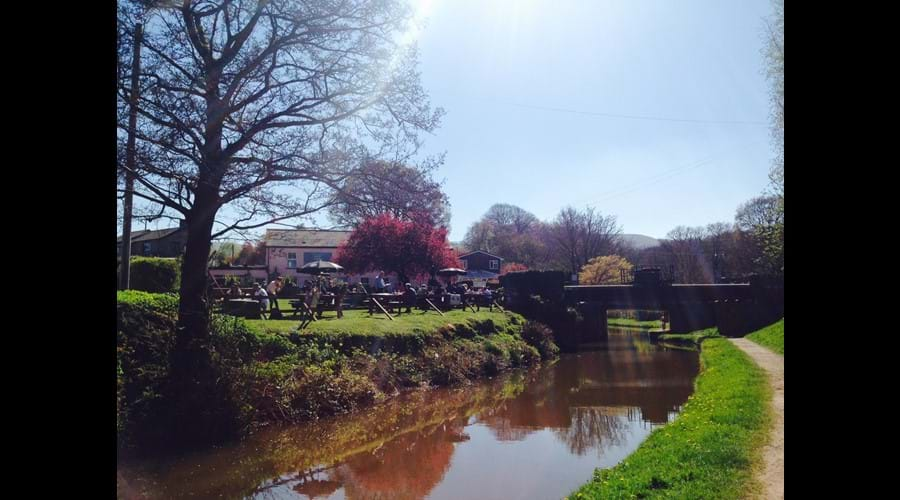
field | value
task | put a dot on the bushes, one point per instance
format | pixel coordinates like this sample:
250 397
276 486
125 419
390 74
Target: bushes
144 338
155 274
540 337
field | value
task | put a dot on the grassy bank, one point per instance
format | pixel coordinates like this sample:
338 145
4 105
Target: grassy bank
270 372
694 338
709 450
633 323
771 336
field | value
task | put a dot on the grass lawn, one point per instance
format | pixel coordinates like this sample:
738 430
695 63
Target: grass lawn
711 448
771 336
633 323
358 321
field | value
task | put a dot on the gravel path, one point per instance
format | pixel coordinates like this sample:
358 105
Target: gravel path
772 476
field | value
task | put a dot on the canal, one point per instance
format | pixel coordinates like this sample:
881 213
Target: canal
535 434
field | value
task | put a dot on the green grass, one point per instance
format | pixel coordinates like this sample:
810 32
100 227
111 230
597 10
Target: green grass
633 323
358 321
771 336
696 337
710 450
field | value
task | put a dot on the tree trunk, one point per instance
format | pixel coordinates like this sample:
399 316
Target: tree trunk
193 310
199 403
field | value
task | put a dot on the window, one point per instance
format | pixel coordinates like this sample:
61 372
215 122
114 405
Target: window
292 260
313 256
494 264
465 264
146 248
364 281
175 248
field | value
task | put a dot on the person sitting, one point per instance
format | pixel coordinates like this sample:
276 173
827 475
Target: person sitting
489 298
235 291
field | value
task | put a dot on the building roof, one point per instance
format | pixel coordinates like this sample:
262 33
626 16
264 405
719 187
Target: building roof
481 251
138 236
305 238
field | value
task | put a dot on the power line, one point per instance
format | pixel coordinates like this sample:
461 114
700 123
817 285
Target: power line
657 178
655 181
636 117
644 181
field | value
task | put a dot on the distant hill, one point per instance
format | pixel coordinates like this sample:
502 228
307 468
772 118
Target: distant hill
640 241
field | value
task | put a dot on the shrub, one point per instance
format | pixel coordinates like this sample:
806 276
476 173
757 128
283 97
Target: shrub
165 303
315 391
145 339
155 274
540 337
453 363
145 336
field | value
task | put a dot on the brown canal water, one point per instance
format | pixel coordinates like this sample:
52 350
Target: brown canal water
535 434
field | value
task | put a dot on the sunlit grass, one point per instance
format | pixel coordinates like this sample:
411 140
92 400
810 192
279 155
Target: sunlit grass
710 449
633 323
358 321
771 336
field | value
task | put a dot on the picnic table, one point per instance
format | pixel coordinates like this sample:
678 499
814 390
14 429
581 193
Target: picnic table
326 301
246 307
388 300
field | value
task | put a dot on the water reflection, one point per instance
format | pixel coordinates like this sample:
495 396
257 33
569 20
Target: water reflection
535 434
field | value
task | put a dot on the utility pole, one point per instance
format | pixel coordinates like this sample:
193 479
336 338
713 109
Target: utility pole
129 159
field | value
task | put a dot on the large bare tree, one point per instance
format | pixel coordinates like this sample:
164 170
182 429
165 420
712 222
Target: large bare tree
510 232
578 236
251 112
689 258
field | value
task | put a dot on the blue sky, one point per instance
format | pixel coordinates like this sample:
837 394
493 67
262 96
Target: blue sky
654 111
519 80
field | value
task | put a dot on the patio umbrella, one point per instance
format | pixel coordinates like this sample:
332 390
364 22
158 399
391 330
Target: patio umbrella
320 267
451 271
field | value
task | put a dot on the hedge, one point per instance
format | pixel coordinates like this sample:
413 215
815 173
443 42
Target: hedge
155 274
547 284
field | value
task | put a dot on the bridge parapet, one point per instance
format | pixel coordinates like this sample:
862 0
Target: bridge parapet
657 297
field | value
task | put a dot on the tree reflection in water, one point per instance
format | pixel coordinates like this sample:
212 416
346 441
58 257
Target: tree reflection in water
595 428
590 402
408 467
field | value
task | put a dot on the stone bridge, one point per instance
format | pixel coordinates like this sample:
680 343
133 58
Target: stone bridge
735 308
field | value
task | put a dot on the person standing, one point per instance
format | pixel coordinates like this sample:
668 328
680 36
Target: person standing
340 289
273 290
409 297
379 282
314 300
